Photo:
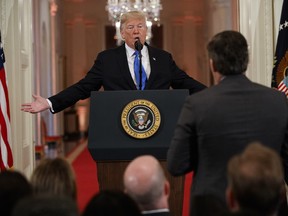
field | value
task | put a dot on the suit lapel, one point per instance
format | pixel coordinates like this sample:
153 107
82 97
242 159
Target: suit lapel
124 68
153 65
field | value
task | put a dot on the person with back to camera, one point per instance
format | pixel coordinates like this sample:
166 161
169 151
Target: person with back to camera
113 69
145 181
255 181
46 205
111 203
220 121
14 186
54 176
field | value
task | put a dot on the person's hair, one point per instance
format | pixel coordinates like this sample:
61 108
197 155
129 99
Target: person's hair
13 187
46 205
54 176
132 15
256 179
229 52
111 203
147 199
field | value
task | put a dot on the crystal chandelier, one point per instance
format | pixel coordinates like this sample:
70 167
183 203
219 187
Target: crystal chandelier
151 8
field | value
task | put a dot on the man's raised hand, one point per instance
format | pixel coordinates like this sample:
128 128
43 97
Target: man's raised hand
38 105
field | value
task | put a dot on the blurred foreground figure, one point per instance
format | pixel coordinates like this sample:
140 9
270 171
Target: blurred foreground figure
111 203
255 181
145 181
14 186
46 205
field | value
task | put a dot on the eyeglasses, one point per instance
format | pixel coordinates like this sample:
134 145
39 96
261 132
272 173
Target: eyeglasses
138 27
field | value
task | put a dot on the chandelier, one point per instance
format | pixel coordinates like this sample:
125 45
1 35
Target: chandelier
151 8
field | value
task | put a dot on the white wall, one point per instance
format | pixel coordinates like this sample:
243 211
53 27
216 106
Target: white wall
16 28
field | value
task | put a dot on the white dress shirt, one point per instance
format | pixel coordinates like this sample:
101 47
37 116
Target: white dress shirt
145 61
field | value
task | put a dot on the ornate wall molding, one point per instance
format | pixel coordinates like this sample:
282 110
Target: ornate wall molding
5 11
268 42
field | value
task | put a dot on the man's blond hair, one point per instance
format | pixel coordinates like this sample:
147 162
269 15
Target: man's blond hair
132 15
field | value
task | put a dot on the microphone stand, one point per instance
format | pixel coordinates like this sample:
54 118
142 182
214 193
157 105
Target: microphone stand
140 70
138 47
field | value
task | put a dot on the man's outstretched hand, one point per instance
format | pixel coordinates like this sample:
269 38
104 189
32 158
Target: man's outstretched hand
38 105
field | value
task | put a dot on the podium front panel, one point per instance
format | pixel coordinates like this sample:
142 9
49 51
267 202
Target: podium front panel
107 140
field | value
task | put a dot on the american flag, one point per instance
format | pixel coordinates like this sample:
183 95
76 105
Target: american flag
6 158
280 72
283 86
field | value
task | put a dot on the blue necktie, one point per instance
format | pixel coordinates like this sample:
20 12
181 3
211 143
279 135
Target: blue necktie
136 71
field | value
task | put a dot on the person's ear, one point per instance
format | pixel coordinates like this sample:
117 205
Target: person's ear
167 189
211 65
231 200
216 75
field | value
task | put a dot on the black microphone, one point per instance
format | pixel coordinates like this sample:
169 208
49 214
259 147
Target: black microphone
138 46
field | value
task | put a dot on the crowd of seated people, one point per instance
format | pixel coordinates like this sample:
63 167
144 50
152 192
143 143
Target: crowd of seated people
51 189
255 188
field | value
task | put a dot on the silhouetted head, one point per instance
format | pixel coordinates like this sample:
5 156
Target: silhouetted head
13 187
111 203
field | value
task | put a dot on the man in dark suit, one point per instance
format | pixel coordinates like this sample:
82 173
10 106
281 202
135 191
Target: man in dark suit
145 181
114 70
220 121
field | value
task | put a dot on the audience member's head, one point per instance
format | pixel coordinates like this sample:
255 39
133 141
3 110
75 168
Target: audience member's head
255 180
111 203
228 53
145 181
54 176
13 187
46 205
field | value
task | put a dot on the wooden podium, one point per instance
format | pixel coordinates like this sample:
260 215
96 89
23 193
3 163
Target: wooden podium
113 143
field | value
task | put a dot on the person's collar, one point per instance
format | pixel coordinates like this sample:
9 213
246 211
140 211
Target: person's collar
131 51
155 211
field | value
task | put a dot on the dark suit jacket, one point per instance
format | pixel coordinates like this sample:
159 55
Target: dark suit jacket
219 122
111 71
